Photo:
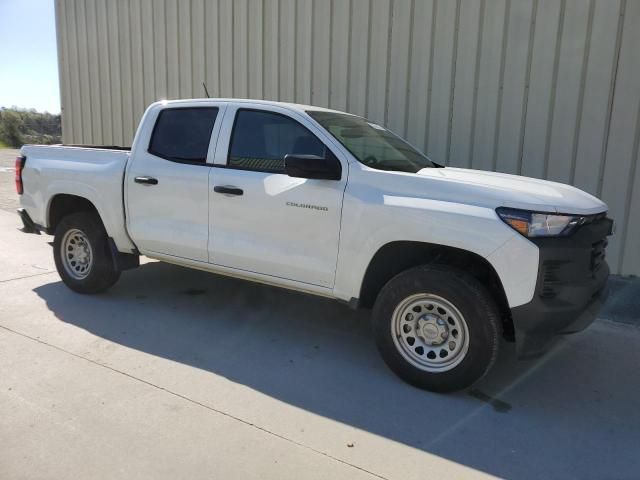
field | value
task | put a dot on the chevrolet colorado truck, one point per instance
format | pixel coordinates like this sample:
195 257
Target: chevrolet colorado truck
451 261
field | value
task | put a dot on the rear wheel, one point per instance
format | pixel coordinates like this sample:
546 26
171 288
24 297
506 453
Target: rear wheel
437 328
82 255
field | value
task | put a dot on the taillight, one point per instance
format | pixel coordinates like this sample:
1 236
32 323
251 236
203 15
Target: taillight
19 166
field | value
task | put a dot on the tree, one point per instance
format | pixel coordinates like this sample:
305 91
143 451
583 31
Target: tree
11 127
18 127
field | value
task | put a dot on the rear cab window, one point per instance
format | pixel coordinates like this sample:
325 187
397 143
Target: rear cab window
183 134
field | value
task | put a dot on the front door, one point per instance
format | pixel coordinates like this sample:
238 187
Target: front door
167 184
264 221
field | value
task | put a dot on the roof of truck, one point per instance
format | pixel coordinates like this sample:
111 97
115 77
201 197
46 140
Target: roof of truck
293 106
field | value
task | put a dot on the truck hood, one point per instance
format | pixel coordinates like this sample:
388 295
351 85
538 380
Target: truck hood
518 192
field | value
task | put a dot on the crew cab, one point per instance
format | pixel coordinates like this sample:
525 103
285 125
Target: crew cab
451 261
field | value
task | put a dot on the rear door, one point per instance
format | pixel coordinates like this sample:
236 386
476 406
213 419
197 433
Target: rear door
262 220
167 183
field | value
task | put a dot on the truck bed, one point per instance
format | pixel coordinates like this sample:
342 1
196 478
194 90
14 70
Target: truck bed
92 172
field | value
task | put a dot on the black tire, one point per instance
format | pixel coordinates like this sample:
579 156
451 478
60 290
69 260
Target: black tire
472 300
102 273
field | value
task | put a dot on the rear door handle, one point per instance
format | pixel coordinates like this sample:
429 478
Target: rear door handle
228 190
146 180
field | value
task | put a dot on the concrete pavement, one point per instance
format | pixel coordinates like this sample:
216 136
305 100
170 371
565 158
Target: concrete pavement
179 373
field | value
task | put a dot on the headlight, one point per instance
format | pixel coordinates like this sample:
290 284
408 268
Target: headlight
532 224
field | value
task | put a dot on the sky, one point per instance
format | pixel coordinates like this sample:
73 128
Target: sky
28 55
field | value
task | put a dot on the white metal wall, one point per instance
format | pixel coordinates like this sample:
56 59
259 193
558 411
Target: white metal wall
545 88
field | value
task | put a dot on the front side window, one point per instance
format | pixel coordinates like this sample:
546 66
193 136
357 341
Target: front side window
261 139
371 144
183 134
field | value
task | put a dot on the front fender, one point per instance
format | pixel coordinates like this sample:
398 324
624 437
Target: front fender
367 227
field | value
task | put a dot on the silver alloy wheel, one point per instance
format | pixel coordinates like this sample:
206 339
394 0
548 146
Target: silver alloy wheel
76 254
430 332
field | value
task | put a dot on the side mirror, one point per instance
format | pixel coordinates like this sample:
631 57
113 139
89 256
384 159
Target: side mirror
313 166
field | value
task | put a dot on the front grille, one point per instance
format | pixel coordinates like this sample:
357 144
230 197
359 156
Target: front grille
574 264
597 255
594 218
598 247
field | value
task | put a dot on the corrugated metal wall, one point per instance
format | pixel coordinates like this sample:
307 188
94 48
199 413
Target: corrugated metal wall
545 88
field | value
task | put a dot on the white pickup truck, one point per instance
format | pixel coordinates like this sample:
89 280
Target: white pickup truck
451 260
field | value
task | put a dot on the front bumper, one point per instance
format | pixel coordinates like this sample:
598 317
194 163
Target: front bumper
570 289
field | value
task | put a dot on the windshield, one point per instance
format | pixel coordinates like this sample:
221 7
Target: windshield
372 144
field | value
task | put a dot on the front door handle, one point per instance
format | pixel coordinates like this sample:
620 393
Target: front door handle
146 180
228 190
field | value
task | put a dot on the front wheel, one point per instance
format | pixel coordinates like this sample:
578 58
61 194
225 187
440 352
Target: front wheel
437 328
81 253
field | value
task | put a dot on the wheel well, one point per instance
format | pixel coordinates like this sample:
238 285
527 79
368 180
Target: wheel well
63 205
395 257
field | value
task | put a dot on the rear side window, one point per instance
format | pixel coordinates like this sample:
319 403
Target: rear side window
260 140
183 134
